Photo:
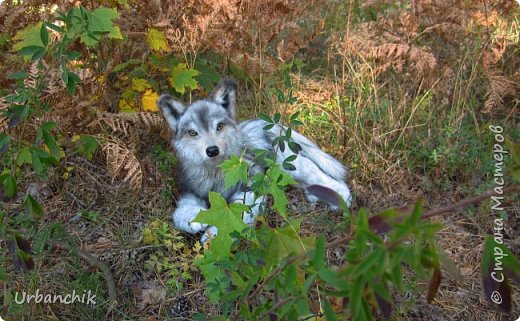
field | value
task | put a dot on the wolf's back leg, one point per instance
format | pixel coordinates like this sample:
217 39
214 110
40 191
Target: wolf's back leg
313 165
308 173
188 207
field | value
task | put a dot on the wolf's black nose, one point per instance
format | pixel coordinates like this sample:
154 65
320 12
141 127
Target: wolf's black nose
212 151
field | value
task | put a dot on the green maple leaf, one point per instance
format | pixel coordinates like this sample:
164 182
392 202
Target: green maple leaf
282 242
115 33
28 37
278 181
9 183
208 76
101 21
183 77
235 169
24 156
226 218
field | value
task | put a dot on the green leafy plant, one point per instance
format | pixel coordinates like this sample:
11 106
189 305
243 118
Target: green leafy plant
41 149
164 159
78 23
24 102
274 273
90 215
170 257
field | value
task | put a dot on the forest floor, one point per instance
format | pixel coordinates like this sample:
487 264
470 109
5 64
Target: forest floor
116 237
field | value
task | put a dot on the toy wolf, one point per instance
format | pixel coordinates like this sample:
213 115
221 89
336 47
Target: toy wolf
205 134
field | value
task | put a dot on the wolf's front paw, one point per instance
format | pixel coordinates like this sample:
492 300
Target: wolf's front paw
209 234
249 218
198 227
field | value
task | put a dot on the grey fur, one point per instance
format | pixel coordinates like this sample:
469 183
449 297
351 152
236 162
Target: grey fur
200 173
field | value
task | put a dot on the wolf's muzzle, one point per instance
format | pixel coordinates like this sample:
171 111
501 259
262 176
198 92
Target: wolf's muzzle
212 151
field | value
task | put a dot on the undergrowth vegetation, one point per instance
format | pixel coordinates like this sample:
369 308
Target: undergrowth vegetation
419 99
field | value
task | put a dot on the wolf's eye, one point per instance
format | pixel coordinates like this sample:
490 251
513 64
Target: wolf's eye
220 126
192 133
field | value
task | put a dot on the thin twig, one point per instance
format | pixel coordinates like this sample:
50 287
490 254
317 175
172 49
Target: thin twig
441 210
104 268
350 236
273 274
469 201
112 294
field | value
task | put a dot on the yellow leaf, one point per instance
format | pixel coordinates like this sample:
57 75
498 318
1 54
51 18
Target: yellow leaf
149 100
156 40
101 79
67 172
148 237
126 105
115 33
140 85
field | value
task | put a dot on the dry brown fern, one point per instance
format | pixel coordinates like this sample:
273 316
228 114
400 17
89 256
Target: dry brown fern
499 88
121 161
10 14
120 140
111 123
516 76
493 54
128 126
421 60
15 15
253 34
4 105
446 29
31 80
151 122
54 82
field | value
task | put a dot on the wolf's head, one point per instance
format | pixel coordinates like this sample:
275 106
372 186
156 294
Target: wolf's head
204 132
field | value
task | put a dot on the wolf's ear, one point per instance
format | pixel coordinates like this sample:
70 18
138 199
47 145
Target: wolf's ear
171 109
225 94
